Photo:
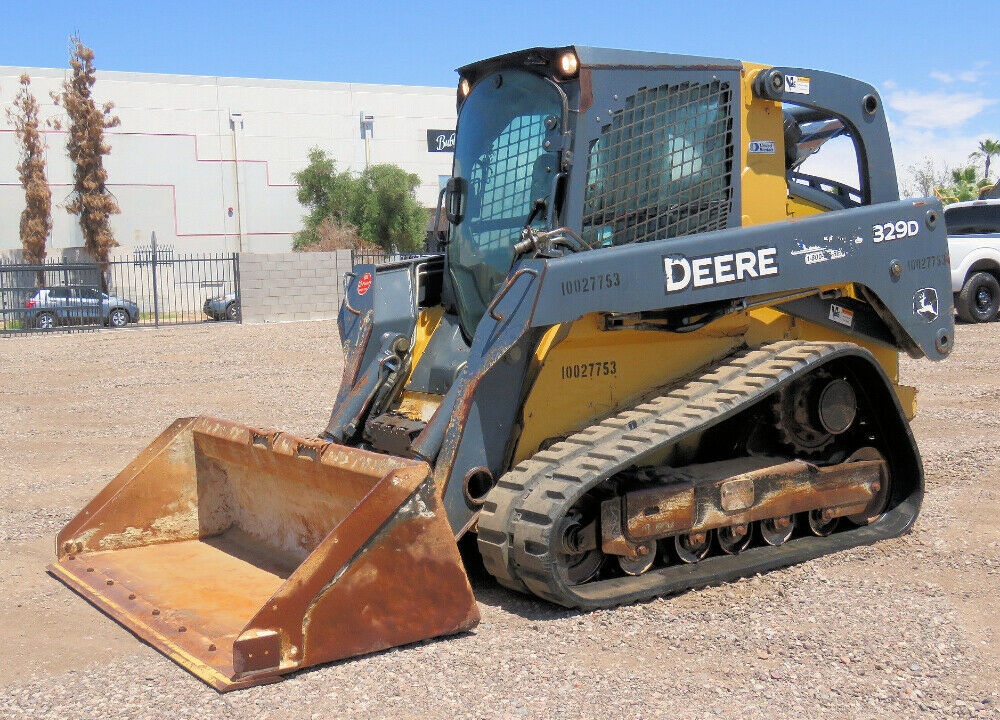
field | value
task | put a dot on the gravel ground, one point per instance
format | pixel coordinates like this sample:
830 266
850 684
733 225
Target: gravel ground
907 628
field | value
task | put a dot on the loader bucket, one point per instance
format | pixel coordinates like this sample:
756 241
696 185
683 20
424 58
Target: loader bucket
244 554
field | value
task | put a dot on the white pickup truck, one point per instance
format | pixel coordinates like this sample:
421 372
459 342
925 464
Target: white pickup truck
974 246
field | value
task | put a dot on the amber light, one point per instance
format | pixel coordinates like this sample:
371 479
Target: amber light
569 64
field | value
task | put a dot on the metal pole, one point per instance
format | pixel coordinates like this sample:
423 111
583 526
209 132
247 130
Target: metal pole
3 300
236 123
65 282
239 294
156 299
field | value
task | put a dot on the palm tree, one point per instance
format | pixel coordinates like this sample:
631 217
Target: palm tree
988 149
963 186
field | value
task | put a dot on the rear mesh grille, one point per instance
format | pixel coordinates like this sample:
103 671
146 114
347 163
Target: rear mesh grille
662 167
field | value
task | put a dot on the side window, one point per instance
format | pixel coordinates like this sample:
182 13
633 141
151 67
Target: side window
979 219
506 179
58 293
822 160
90 293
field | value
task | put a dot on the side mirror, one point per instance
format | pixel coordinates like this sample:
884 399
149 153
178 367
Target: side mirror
455 193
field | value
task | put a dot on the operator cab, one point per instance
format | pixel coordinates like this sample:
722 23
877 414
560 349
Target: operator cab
536 153
566 149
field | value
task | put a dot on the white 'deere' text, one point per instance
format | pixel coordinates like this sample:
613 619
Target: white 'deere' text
719 269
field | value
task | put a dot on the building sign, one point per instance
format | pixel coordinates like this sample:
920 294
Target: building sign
440 141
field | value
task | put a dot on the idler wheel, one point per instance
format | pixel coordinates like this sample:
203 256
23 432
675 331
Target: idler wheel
580 563
880 496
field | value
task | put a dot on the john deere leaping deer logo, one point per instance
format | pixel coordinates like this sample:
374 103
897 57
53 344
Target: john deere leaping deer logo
925 304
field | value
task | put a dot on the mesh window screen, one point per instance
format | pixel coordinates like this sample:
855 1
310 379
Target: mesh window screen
662 167
508 179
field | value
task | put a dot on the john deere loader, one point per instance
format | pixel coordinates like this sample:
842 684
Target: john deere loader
655 355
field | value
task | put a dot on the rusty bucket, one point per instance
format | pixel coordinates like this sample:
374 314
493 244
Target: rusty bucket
244 554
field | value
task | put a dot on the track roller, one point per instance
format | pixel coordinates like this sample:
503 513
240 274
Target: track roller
777 531
693 547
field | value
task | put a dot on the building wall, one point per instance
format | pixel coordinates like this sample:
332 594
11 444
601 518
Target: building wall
181 167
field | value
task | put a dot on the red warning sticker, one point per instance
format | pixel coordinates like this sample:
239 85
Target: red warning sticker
364 283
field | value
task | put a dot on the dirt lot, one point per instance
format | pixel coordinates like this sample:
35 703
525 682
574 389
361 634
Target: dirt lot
907 628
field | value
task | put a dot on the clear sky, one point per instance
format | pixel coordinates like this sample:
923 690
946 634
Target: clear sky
937 68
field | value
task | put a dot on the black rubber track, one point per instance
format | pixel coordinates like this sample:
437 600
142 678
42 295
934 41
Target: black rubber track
520 521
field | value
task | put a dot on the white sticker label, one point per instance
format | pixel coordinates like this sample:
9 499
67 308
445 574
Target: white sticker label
842 315
813 254
762 147
798 84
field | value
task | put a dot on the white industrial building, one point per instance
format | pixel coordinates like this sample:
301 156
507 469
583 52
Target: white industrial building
206 162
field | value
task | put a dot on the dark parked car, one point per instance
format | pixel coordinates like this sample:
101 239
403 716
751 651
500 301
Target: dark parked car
223 307
71 304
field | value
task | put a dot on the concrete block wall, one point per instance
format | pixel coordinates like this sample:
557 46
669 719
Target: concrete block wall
278 287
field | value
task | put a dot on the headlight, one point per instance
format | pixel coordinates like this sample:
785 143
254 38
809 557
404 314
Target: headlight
568 64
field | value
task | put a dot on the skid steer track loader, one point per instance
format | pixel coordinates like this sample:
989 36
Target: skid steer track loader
655 355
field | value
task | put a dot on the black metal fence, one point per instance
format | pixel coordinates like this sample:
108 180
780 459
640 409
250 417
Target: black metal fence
152 287
377 257
434 243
